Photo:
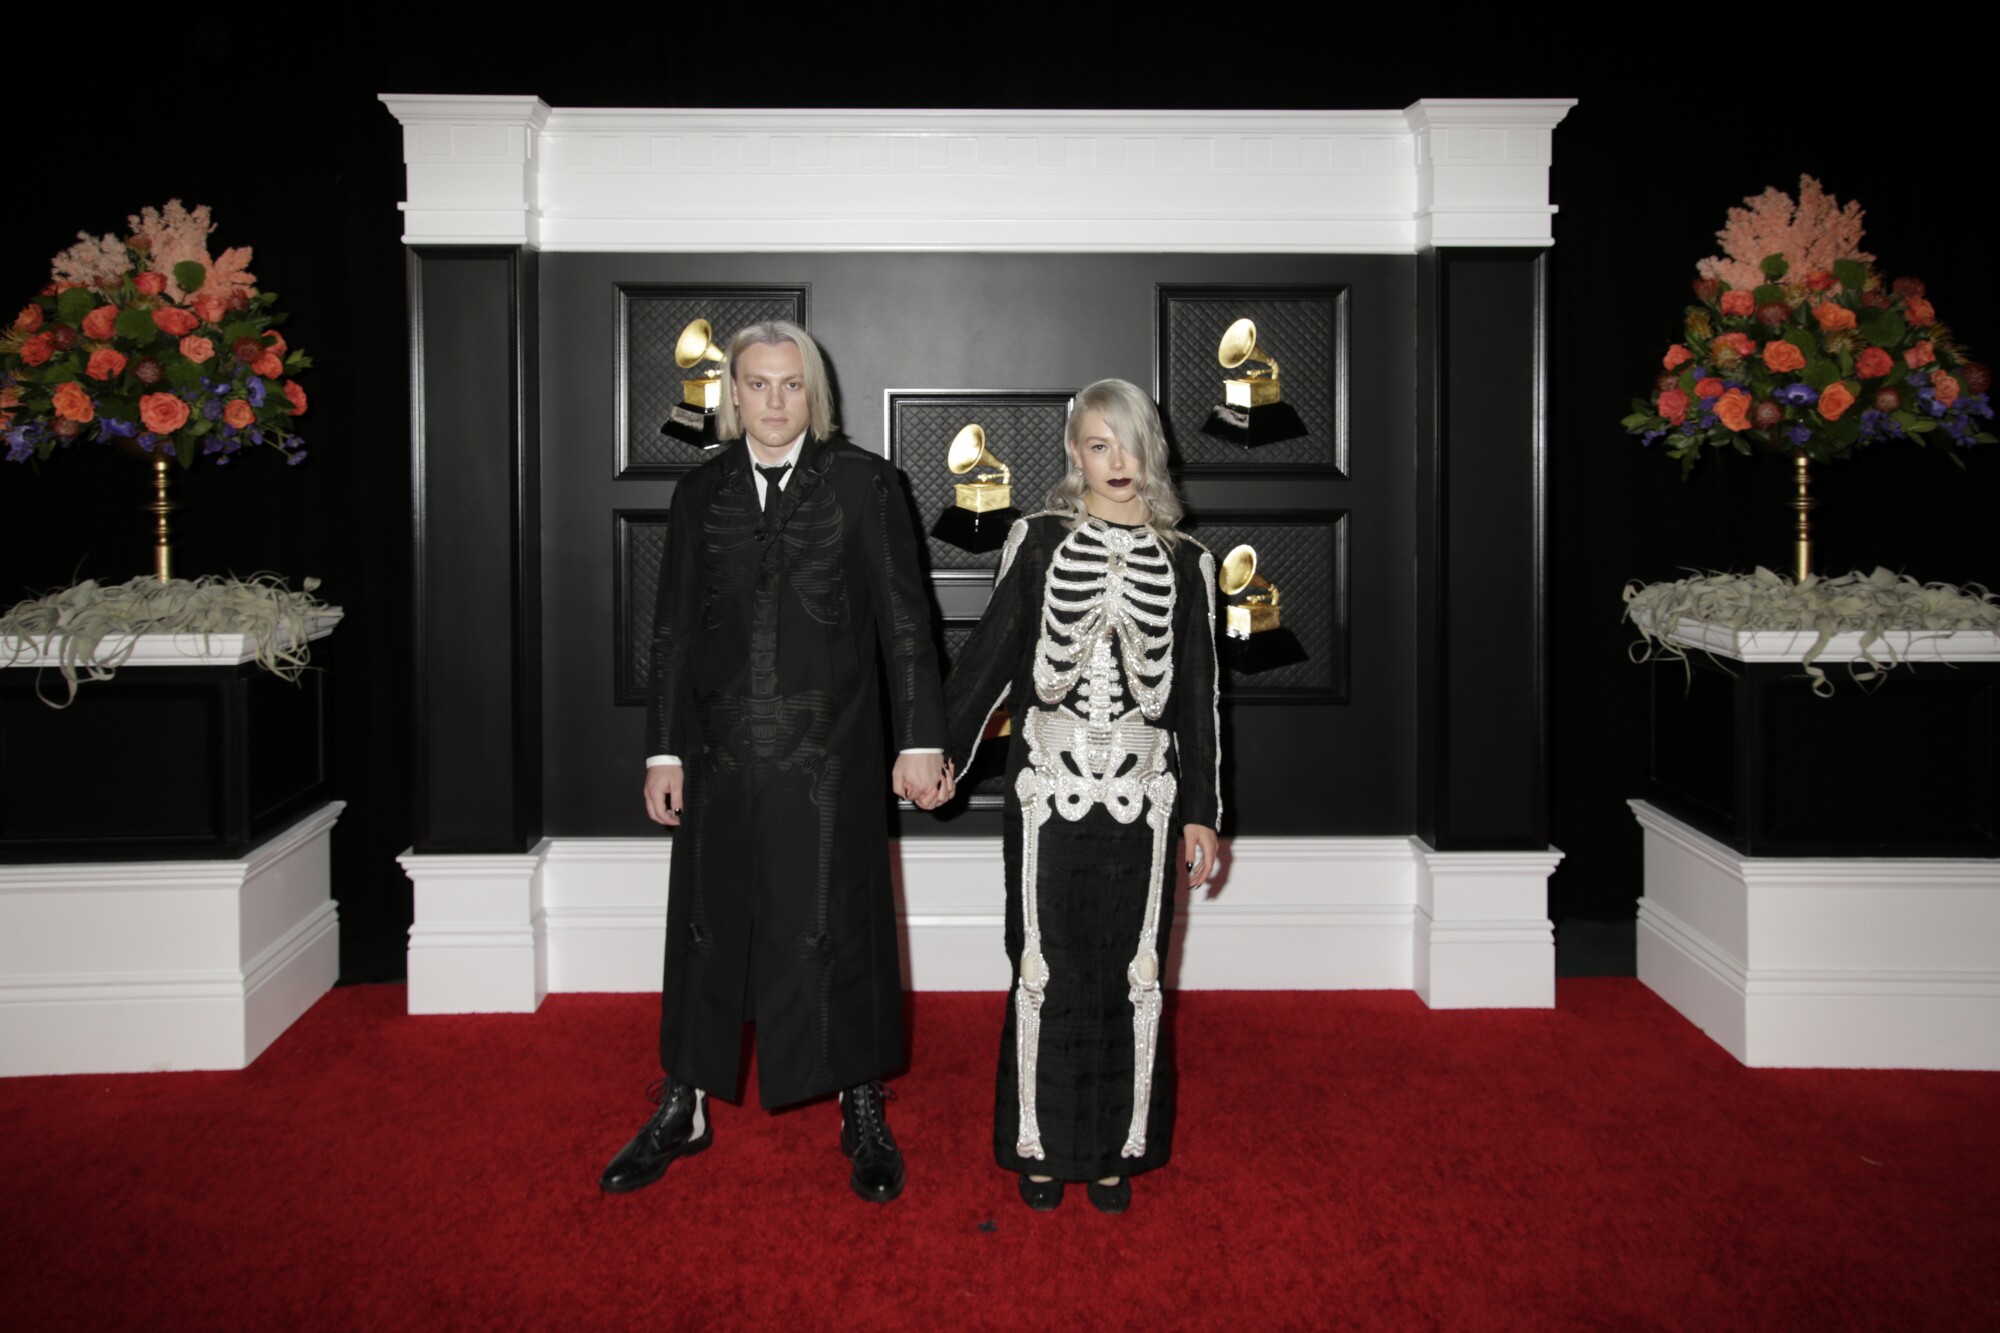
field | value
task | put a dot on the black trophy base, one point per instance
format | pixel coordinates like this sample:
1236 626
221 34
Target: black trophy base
977 533
1266 650
692 425
1248 427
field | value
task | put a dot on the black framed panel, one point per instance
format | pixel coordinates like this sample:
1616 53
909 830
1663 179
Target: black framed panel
646 379
1304 553
638 539
1024 430
983 786
1303 327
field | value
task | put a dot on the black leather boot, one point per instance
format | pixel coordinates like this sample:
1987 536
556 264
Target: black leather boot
865 1138
668 1134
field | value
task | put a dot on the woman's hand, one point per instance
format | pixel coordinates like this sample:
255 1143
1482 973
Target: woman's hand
1198 849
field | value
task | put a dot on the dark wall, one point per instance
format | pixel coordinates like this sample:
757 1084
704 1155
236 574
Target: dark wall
1644 170
1002 322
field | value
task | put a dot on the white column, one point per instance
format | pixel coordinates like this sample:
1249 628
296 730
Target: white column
479 943
472 168
1483 169
1483 938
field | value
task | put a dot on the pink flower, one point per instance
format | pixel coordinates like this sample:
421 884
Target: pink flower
174 321
101 324
1819 282
1738 302
1740 343
211 309
196 349
162 413
1920 355
1676 357
1708 388
29 319
105 363
1673 405
150 284
1944 388
73 403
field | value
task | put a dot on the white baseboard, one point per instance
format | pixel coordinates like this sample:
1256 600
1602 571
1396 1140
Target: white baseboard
1823 962
497 933
125 967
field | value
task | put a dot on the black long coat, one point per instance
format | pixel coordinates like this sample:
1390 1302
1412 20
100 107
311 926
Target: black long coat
772 637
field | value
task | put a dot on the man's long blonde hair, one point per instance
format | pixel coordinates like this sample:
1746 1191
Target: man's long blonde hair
729 422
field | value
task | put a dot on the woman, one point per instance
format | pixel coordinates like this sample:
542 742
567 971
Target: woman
1099 641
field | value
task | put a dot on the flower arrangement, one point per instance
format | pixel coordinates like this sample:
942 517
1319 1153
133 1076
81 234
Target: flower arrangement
1797 344
151 340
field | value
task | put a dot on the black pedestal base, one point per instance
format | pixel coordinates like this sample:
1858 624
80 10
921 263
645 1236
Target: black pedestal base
978 533
1748 754
1249 427
159 763
1265 650
693 426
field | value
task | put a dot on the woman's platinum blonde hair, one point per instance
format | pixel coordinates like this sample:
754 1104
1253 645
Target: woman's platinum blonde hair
1135 423
729 422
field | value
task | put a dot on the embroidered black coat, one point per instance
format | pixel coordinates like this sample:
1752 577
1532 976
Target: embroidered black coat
777 639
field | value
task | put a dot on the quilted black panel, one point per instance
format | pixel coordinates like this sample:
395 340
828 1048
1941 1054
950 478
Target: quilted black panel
1301 327
1305 555
1024 430
641 538
650 323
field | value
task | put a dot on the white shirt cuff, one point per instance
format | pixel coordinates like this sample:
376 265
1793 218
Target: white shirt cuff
654 761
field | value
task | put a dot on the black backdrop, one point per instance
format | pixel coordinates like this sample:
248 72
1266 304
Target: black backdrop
310 174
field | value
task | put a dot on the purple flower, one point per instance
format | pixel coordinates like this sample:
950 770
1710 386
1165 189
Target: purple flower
296 459
1799 434
211 409
1650 436
1798 395
255 391
146 441
124 430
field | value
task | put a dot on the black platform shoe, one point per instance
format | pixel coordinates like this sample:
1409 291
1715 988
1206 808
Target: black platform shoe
1111 1198
670 1133
865 1138
1041 1195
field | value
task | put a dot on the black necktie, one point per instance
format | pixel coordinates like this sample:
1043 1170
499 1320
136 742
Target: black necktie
772 476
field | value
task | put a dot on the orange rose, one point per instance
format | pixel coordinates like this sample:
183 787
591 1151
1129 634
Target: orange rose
105 363
211 309
10 397
162 413
101 324
1740 343
1739 303
1834 399
73 403
1733 410
1833 318
41 347
196 349
296 396
1676 357
1818 282
1920 355
1781 356
1873 364
29 319
150 284
1673 405
268 365
1943 388
276 341
174 321
237 413
1920 311
1708 388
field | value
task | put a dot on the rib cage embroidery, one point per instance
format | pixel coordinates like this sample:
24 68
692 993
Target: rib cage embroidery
1106 631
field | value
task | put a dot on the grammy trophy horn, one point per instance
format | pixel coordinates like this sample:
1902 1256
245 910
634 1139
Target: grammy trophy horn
1258 611
987 490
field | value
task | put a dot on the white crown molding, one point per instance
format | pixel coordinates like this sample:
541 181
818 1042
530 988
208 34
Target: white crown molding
511 170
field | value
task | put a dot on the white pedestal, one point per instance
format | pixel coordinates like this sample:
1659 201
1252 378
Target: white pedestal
125 967
1851 962
497 933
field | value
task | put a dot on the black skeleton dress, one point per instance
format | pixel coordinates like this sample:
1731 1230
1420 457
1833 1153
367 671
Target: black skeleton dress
1100 643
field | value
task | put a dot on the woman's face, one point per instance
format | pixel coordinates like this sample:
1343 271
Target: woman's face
1109 470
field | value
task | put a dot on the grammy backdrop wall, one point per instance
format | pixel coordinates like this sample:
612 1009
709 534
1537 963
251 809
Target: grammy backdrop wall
1384 787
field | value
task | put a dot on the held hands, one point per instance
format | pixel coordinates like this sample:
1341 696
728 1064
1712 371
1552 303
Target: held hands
664 784
1198 850
925 780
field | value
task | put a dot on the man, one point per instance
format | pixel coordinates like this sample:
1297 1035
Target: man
788 588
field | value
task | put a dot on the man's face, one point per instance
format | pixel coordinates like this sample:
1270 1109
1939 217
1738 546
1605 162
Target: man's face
769 390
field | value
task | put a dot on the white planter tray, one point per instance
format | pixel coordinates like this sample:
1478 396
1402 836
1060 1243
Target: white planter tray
1785 645
161 649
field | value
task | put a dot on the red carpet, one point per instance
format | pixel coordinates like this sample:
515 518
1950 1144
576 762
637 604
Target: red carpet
1343 1159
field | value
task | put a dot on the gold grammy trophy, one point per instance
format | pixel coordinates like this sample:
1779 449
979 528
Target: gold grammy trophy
1252 410
1253 639
693 418
982 509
